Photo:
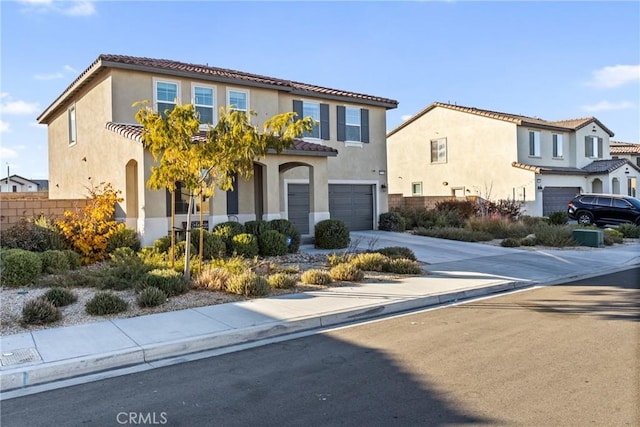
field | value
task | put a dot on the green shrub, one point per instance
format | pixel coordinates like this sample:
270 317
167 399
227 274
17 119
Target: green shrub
60 297
104 303
73 258
151 297
167 280
35 235
282 281
54 262
397 252
464 208
39 311
124 270
346 273
510 242
554 235
507 208
181 249
531 221
287 228
245 244
226 231
315 277
454 234
499 228
213 279
19 267
331 234
630 231
272 243
213 246
372 261
123 238
403 266
558 218
248 284
162 245
335 259
391 221
257 227
612 236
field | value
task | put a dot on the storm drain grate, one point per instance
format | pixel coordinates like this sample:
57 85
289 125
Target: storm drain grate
16 357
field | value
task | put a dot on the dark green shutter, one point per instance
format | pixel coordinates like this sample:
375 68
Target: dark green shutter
600 147
324 121
342 128
588 146
364 125
532 144
297 108
232 196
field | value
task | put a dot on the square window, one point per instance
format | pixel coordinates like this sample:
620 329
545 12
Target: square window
203 100
416 188
353 124
238 100
166 95
312 109
439 150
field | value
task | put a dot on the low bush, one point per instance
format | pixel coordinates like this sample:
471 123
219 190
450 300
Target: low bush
104 303
372 261
36 235
124 270
529 240
331 234
257 227
213 246
391 221
151 297
123 238
460 234
226 231
60 297
507 208
282 281
73 258
554 235
181 249
464 208
272 243
335 259
630 231
346 273
290 231
40 311
19 267
499 228
213 279
531 221
245 244
54 262
315 277
612 236
248 284
162 245
558 218
397 252
510 242
404 266
167 280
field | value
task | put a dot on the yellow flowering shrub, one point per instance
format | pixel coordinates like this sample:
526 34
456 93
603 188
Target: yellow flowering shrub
87 231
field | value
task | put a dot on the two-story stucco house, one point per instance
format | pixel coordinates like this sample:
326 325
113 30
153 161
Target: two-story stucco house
451 150
337 171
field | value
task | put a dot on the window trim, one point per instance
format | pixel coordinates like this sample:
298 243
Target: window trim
419 185
245 91
157 80
446 151
72 122
204 126
536 143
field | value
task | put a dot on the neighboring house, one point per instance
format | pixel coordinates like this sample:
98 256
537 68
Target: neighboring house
43 184
17 184
337 171
625 150
451 150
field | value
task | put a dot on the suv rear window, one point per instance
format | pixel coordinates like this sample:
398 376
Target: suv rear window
621 203
588 200
604 201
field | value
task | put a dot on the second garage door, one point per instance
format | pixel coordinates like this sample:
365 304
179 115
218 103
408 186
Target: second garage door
555 199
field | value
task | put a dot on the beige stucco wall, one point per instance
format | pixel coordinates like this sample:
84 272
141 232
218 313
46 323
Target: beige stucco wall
546 158
480 152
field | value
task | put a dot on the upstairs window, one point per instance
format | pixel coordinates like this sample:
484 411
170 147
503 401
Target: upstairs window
319 113
557 145
353 124
203 100
534 144
439 150
238 100
593 146
72 125
166 96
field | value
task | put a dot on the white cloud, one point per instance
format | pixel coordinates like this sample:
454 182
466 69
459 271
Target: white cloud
8 153
49 76
608 106
615 76
11 106
4 127
70 69
406 117
64 7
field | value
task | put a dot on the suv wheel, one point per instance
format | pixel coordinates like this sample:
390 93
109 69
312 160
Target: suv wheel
584 218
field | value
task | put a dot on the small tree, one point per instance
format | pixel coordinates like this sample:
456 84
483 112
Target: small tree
203 163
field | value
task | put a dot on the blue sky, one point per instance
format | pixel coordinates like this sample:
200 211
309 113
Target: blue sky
553 60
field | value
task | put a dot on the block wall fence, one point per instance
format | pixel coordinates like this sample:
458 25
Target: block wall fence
26 205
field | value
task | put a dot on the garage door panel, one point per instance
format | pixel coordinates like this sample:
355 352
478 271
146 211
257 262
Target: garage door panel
555 199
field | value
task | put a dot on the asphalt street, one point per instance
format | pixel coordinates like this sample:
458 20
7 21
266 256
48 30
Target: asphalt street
559 355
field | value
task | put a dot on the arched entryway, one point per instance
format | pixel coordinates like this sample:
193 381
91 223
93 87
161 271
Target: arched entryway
596 186
615 186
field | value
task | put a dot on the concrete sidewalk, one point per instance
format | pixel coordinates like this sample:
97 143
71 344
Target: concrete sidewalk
457 271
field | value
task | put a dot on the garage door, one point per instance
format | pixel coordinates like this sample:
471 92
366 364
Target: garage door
555 199
352 204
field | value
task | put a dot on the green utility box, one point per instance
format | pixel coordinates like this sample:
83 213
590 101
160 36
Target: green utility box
593 238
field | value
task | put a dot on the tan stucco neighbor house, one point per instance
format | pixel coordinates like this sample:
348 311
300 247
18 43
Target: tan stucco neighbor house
337 171
452 150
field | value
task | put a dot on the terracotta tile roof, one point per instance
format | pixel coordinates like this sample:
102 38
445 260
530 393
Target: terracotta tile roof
616 147
549 169
299 147
563 125
207 72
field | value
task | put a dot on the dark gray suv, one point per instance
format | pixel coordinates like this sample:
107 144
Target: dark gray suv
601 209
